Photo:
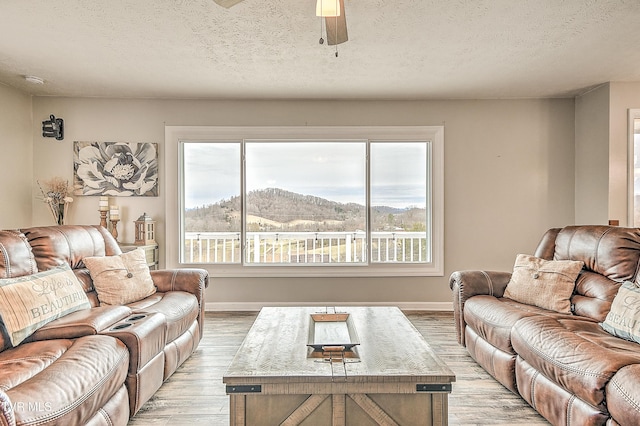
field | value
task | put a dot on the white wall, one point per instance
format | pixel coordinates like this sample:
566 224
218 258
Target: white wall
509 176
16 152
602 153
592 157
623 96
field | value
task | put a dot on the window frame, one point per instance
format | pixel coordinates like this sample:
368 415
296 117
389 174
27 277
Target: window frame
633 115
173 201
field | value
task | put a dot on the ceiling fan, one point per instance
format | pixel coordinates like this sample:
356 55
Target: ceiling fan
336 25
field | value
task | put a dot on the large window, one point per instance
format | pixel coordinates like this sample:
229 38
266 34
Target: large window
305 201
634 167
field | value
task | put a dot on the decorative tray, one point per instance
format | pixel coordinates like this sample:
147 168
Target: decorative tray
332 330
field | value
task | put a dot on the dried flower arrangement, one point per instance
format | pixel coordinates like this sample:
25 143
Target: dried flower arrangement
56 195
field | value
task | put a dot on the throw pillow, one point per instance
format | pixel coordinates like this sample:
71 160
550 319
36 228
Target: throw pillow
547 284
31 301
623 320
121 279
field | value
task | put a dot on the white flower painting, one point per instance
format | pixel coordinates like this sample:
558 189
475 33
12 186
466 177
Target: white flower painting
120 169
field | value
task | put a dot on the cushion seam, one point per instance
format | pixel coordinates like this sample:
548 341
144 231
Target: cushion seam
598 247
489 282
27 358
5 256
533 388
561 365
625 395
569 405
105 415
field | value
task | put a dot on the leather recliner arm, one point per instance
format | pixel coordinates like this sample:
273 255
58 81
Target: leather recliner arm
466 284
85 322
190 280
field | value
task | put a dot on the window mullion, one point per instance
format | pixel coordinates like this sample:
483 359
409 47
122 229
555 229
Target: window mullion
244 246
368 238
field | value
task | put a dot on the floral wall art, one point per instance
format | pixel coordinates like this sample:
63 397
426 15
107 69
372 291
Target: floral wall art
118 169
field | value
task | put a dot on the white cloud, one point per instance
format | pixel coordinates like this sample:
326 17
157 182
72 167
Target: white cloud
335 171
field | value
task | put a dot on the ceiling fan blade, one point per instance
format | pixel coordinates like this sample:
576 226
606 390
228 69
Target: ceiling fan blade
227 3
337 27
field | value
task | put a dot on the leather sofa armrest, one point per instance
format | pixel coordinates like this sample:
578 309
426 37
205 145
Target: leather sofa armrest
190 280
466 284
7 418
81 323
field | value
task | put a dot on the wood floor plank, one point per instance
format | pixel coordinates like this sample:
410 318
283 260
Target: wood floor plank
195 394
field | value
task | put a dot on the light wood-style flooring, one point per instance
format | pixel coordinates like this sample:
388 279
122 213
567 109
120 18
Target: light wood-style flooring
195 394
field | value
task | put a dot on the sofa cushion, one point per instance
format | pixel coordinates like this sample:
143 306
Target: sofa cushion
179 308
543 283
31 301
623 320
492 319
593 295
63 381
574 353
121 279
611 251
56 245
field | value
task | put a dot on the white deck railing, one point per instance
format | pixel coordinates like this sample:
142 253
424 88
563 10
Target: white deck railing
306 247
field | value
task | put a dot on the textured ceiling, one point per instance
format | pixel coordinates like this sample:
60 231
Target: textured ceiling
268 49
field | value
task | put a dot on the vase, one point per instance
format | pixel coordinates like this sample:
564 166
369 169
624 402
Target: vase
61 213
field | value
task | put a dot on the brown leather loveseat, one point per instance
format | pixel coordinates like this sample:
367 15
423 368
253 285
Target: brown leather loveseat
564 364
97 365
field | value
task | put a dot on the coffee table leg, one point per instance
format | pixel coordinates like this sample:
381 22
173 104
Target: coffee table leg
440 404
339 416
237 410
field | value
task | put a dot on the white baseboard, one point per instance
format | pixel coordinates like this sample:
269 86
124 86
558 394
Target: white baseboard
256 306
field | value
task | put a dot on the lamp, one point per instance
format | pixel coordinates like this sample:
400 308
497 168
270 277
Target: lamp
332 13
326 8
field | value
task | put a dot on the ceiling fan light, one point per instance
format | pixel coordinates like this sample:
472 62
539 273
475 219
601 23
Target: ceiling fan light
328 8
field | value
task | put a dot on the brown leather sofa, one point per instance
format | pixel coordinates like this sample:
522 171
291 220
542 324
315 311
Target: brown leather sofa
564 365
95 366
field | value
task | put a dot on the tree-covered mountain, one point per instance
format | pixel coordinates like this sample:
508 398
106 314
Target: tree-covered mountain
274 209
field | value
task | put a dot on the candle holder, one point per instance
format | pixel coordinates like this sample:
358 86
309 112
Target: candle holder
114 228
103 218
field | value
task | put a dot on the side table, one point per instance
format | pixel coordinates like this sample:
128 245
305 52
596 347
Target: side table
151 251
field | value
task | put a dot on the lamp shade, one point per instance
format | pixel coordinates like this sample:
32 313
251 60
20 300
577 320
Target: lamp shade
328 8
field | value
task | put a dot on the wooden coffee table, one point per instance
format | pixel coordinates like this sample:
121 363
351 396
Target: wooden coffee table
390 377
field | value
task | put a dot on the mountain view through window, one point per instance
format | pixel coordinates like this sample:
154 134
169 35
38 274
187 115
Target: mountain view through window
305 202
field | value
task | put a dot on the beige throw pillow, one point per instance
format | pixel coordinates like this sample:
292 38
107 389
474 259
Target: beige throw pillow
547 284
121 279
623 320
29 302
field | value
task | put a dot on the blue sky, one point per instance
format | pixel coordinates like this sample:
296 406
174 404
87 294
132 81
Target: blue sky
331 170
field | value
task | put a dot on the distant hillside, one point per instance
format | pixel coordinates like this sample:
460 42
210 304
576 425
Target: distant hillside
277 209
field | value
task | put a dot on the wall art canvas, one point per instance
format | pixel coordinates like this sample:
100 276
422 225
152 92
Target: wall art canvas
119 169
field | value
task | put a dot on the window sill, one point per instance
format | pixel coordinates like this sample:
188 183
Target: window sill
305 271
